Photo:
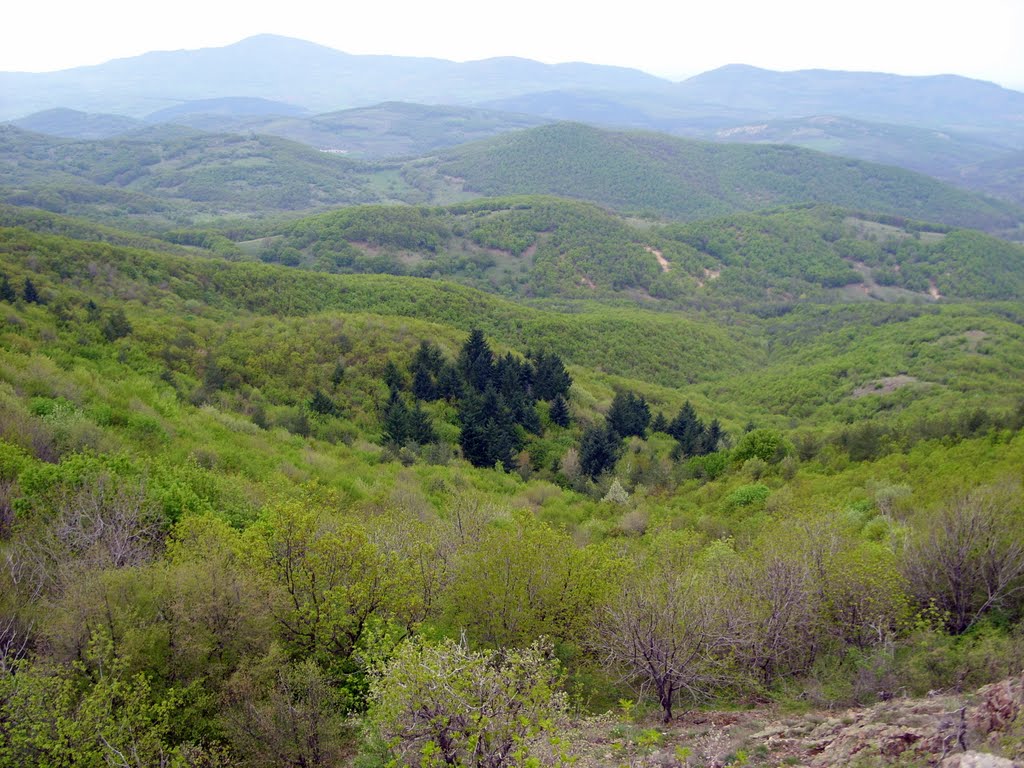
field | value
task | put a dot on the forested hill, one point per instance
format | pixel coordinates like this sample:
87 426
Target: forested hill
684 179
243 508
171 176
550 247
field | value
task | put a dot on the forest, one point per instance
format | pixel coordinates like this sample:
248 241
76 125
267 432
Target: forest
254 515
411 436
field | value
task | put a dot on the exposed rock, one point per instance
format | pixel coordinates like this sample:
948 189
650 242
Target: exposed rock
978 760
1000 704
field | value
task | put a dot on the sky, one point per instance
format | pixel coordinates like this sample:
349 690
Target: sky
670 38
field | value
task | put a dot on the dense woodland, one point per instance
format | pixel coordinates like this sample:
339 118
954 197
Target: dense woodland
438 480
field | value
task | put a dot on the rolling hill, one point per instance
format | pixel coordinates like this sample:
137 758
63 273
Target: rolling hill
390 130
683 179
173 175
533 247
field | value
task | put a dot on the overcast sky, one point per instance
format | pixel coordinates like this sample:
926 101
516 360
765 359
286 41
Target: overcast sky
671 38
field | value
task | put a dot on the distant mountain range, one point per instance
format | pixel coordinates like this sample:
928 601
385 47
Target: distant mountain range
964 131
298 73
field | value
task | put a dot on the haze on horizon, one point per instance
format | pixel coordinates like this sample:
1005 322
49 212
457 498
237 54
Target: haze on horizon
912 37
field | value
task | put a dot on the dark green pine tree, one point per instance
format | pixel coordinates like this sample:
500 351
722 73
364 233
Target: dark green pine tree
550 378
629 414
660 423
512 380
449 383
322 404
6 290
30 294
423 386
712 437
599 450
428 356
393 377
559 413
395 421
421 429
476 361
489 434
688 430
338 373
116 325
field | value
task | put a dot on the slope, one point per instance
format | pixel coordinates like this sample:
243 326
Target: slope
683 179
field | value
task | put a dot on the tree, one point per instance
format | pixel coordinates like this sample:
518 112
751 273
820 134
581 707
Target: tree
968 558
328 585
445 705
322 404
559 412
629 415
488 435
421 429
688 430
281 712
395 424
393 377
766 444
660 423
599 450
663 627
423 387
30 294
116 326
476 361
524 580
550 379
6 290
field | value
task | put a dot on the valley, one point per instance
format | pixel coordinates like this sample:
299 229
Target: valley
405 435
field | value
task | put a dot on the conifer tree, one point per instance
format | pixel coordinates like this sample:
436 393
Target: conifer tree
660 423
489 433
449 383
688 430
629 414
421 430
6 290
30 294
599 450
423 387
550 378
395 422
322 404
476 361
559 413
393 377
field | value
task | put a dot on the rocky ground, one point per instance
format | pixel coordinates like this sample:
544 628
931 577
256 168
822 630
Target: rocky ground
983 729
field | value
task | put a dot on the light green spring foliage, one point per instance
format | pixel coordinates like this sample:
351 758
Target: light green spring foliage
271 556
442 704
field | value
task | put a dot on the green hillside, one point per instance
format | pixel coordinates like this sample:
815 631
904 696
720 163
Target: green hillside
537 247
253 515
389 130
176 176
681 179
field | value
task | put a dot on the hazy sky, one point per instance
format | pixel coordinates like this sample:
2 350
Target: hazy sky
671 38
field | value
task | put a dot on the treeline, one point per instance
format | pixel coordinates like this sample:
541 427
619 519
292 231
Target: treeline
495 398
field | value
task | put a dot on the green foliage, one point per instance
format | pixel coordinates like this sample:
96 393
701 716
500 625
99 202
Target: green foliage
685 180
443 704
765 444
